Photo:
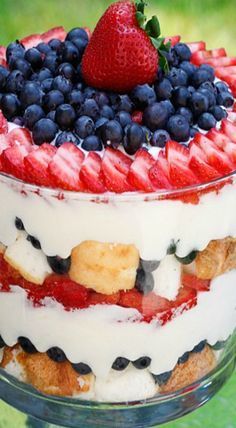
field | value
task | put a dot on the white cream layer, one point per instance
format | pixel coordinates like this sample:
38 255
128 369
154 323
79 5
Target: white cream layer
60 225
99 334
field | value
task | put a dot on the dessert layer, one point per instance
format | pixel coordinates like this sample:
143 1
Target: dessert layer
112 331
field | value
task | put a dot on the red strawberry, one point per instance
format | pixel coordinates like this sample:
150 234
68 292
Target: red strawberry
20 136
196 46
65 291
54 33
215 157
137 117
224 72
36 165
3 62
31 41
202 56
12 160
2 52
220 62
199 165
224 143
90 173
180 173
3 124
232 116
229 129
159 173
103 299
186 299
139 171
115 168
198 284
173 40
65 167
120 54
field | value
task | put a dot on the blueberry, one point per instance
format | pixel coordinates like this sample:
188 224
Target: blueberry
56 354
2 343
123 102
99 125
81 45
206 121
59 265
62 84
172 58
188 67
134 138
102 99
120 364
149 265
187 259
51 61
210 96
34 241
222 87
66 70
180 96
52 100
44 131
218 112
112 133
124 118
19 224
198 103
169 107
225 99
143 96
200 76
160 138
77 33
10 105
66 137
142 363
33 56
193 131
144 281
31 94
184 358
27 345
18 120
44 73
15 50
210 71
199 348
75 98
92 143
90 92
65 116
84 126
177 77
32 115
15 82
55 45
21 65
108 112
191 90
155 116
44 48
82 368
172 248
162 378
51 115
186 112
209 86
163 89
183 51
46 85
178 128
70 53
4 75
90 108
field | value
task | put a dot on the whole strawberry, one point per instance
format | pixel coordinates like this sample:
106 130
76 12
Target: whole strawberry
122 53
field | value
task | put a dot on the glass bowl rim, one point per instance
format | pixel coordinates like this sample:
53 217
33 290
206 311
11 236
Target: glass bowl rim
112 196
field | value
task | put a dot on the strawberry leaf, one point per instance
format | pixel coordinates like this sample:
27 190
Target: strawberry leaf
141 18
153 27
140 6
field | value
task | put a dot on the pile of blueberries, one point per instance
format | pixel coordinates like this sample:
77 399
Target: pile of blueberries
43 90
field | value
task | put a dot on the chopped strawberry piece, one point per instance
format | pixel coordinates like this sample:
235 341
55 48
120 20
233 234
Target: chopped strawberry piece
2 52
224 72
220 62
65 167
3 124
137 117
232 117
65 291
198 284
159 173
115 167
215 157
36 165
180 173
31 41
139 171
12 160
173 40
54 33
199 165
3 62
202 56
196 46
90 173
186 298
103 299
224 143
229 129
20 136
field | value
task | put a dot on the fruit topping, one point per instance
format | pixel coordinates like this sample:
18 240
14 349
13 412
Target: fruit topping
142 363
82 368
2 343
59 265
120 363
115 168
56 354
27 345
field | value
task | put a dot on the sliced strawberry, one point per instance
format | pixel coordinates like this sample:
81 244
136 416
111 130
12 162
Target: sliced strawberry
159 173
220 62
180 173
12 160
36 165
186 299
54 33
196 46
20 136
203 55
199 165
90 173
139 171
3 124
3 62
137 117
224 72
65 167
229 129
115 167
218 137
2 52
103 299
173 40
31 41
215 157
232 117
66 292
198 284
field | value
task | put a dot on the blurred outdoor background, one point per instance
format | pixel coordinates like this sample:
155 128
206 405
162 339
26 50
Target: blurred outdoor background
210 20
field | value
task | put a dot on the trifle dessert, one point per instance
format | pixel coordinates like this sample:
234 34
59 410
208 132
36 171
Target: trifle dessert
118 198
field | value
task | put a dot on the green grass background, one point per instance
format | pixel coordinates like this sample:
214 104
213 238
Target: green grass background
211 20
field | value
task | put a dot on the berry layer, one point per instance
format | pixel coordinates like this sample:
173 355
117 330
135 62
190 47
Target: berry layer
114 331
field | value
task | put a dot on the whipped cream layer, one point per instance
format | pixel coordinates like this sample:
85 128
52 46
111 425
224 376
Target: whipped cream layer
98 335
151 225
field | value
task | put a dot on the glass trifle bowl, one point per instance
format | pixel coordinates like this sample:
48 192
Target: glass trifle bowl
116 310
